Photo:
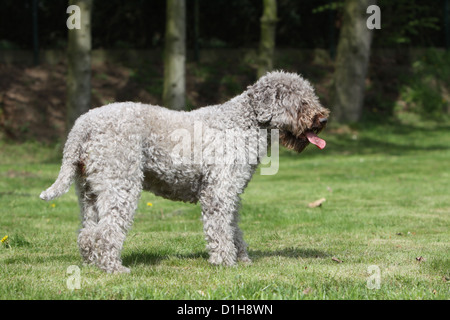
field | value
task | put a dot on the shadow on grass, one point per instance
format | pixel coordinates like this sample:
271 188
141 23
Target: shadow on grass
69 259
154 258
295 253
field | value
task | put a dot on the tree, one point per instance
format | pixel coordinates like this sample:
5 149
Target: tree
174 90
267 41
353 53
79 63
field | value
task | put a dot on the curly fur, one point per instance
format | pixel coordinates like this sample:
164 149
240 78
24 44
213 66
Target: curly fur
116 151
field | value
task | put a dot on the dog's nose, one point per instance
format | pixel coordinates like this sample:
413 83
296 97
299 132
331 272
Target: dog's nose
323 120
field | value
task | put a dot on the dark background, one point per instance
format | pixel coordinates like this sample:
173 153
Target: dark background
222 23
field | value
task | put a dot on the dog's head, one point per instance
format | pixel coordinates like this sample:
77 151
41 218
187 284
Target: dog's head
287 102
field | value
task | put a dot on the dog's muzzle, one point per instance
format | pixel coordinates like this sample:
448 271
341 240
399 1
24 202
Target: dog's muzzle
323 121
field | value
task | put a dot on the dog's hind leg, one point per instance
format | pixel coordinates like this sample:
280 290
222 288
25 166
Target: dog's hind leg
117 185
89 219
116 206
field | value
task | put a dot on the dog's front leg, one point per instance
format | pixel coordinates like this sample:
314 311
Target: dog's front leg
241 245
219 227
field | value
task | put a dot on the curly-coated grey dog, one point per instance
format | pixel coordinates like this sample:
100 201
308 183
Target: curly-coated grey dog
116 151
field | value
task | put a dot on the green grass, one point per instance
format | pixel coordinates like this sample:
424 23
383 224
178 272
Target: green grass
387 203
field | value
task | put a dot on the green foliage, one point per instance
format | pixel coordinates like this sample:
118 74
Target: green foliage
147 77
407 23
425 91
232 85
334 5
8 45
403 22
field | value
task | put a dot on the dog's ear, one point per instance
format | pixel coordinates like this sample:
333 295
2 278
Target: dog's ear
262 100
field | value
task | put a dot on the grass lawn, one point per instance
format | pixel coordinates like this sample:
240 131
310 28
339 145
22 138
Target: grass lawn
387 205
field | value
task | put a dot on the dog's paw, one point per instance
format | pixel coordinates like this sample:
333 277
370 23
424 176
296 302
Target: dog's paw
218 260
245 260
45 196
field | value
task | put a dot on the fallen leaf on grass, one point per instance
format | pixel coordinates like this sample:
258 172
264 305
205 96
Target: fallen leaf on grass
316 203
307 291
336 259
201 293
420 259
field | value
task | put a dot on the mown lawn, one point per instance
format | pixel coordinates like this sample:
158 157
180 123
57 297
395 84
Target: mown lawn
387 205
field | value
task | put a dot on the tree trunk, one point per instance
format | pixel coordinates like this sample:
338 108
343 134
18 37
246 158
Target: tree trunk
174 91
351 62
267 41
79 65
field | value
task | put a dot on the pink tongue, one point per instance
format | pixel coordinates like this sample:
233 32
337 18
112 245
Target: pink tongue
314 139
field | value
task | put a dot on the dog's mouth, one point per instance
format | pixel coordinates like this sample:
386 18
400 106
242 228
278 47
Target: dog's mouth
314 138
300 142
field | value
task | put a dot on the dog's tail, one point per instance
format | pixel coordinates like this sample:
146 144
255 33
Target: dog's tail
68 170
